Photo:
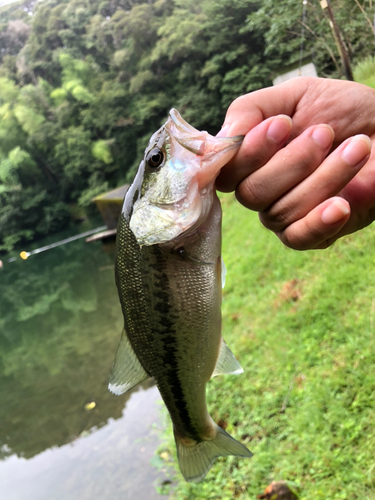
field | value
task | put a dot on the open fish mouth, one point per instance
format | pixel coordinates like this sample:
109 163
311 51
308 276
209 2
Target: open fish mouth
196 141
177 194
182 125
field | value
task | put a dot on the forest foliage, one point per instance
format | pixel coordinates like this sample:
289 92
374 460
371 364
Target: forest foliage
85 83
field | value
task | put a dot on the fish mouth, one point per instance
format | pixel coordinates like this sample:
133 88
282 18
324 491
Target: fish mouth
182 125
198 142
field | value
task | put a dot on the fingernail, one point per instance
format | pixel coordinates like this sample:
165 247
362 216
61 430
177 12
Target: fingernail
279 128
323 135
336 211
356 151
224 131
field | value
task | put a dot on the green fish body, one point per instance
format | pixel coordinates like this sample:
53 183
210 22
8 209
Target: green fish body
169 276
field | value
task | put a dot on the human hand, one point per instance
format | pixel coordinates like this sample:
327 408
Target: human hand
305 162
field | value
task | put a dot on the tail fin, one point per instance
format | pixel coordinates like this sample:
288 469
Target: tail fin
196 459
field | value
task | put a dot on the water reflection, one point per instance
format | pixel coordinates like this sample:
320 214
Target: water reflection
60 323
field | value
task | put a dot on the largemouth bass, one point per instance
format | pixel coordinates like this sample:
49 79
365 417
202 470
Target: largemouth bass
169 277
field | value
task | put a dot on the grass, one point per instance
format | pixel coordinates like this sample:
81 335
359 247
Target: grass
364 71
302 327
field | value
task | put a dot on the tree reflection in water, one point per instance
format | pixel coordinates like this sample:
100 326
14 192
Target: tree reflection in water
60 323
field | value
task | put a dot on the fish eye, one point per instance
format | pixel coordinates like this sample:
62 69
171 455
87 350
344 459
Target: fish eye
155 158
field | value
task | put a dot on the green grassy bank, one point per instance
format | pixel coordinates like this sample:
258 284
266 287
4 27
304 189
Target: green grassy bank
302 327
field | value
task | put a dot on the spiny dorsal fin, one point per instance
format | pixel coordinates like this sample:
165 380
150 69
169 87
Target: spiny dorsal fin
127 371
226 362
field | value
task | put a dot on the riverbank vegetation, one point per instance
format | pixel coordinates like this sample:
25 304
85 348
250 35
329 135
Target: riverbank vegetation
85 83
302 327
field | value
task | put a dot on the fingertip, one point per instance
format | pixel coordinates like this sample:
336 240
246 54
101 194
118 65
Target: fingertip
337 210
319 228
224 132
279 128
323 135
357 150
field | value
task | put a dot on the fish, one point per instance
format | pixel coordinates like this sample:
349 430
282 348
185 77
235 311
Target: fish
169 275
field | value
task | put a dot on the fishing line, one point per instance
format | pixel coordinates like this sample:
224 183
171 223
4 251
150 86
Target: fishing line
24 255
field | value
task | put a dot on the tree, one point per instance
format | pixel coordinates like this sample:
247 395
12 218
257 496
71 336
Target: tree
84 85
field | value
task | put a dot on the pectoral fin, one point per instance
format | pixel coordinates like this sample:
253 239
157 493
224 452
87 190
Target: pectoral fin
226 362
127 371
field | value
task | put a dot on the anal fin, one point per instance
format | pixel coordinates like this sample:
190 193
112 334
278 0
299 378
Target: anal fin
226 362
127 371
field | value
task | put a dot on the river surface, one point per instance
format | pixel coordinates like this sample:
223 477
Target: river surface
63 436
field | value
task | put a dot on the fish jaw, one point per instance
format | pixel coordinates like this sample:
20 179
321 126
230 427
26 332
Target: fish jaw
212 153
155 224
177 198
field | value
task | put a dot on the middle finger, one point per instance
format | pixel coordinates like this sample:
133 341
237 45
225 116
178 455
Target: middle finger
287 168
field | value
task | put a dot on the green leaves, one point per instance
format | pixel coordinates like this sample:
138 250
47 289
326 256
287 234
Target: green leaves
85 84
28 119
364 71
18 169
101 150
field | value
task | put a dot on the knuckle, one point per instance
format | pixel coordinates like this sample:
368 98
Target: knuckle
326 243
239 102
275 218
288 243
255 154
305 236
307 163
251 195
235 106
291 240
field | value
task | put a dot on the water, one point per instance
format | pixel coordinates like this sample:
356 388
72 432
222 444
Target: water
60 323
